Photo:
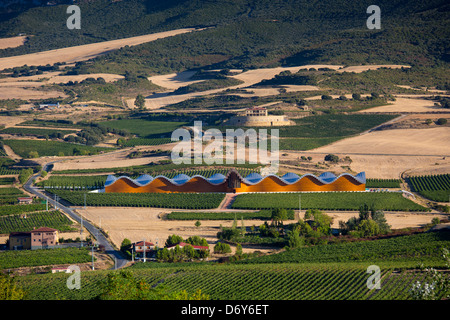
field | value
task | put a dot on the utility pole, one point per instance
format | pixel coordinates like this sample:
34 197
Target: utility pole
144 252
81 230
92 253
299 205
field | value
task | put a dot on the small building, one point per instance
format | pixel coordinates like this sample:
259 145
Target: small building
61 269
25 200
19 241
259 117
48 105
183 244
44 238
139 246
256 112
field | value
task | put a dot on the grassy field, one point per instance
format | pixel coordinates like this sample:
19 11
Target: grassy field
333 125
327 201
303 144
51 148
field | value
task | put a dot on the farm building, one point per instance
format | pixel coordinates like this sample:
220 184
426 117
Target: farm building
19 241
233 182
25 200
42 238
139 246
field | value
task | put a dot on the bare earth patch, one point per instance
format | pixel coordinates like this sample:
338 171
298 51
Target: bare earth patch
407 105
414 142
12 42
83 52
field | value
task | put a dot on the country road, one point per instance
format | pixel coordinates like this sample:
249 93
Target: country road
116 255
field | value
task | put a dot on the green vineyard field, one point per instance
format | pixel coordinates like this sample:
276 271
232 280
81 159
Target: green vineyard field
158 200
43 257
73 182
331 272
17 209
26 223
259 215
400 251
146 142
243 282
391 201
434 187
383 183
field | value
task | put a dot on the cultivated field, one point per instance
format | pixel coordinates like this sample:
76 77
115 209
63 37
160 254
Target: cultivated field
136 223
417 105
414 142
83 52
12 42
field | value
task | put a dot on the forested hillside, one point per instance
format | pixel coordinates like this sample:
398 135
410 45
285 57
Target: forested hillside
243 33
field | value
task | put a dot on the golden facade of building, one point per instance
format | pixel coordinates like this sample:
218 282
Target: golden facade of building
233 182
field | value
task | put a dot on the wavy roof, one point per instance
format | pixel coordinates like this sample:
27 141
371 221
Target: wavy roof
251 179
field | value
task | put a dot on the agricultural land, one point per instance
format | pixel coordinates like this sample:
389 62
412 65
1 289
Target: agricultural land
113 98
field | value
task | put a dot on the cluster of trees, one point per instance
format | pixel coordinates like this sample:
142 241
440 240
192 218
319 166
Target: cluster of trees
287 77
332 158
177 254
26 70
188 252
313 229
25 174
94 134
371 222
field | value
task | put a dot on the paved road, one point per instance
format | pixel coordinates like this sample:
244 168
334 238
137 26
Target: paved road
101 239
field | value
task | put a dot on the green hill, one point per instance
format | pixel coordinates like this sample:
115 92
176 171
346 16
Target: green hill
245 33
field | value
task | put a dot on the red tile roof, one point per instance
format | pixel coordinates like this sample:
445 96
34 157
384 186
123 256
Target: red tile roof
141 243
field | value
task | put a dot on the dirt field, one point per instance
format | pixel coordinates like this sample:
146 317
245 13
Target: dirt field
83 52
433 141
12 42
112 159
145 223
28 93
407 105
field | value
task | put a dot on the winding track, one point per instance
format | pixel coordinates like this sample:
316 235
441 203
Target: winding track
120 261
